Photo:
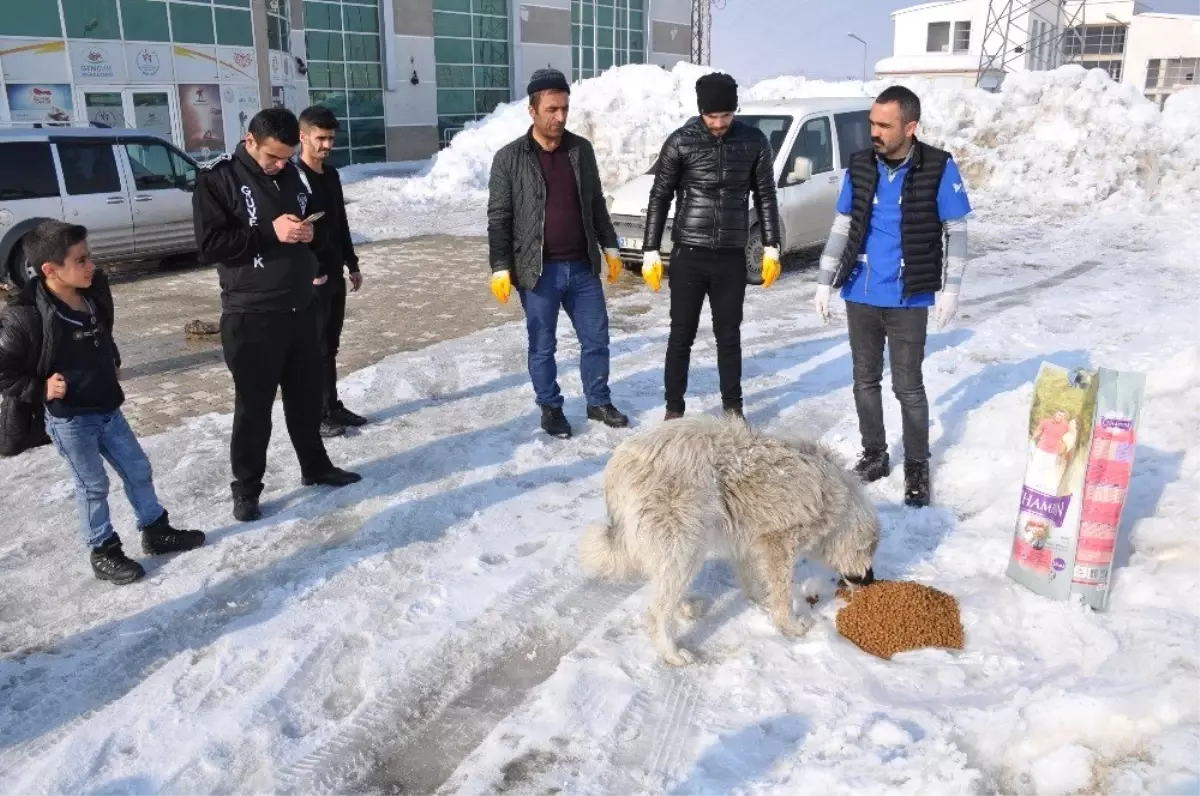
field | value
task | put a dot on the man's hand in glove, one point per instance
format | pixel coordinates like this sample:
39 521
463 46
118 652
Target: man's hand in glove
501 286
652 269
770 265
945 306
615 266
821 302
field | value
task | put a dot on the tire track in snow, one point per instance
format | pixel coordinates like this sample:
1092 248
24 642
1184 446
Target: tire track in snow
412 737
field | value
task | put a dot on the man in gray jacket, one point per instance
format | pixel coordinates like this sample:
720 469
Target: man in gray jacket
547 224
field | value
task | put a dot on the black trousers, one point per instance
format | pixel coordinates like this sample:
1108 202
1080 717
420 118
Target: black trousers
331 314
719 275
903 330
266 351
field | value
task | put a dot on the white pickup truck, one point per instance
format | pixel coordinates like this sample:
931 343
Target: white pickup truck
812 138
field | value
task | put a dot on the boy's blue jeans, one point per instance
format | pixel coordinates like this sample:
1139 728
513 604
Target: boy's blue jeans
86 442
573 287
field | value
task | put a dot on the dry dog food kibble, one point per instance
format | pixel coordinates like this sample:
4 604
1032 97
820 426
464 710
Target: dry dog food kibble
891 616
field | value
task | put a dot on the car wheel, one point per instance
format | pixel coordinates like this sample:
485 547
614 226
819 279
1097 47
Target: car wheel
20 271
754 255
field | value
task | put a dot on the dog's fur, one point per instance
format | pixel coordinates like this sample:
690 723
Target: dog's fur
687 486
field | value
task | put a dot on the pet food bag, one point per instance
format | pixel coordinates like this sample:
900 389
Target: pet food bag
1082 437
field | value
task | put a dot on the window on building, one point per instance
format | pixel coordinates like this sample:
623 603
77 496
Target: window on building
345 74
1170 74
1094 40
31 19
192 24
145 20
962 37
27 171
89 19
606 33
279 27
471 52
937 39
234 28
1111 65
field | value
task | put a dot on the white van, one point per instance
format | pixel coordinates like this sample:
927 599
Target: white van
812 138
131 189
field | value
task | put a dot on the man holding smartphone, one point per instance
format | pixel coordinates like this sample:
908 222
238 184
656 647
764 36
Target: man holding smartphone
335 252
248 209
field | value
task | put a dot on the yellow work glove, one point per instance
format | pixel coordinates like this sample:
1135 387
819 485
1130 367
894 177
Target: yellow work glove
770 265
652 269
501 286
615 266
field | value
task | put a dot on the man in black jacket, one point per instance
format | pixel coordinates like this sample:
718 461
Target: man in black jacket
547 223
57 347
248 210
335 253
713 164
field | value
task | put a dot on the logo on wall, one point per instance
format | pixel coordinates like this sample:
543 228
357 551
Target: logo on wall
95 64
243 59
147 62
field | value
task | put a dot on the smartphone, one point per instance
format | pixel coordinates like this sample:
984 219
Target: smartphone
313 217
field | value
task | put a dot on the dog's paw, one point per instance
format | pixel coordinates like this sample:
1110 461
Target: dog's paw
680 657
691 608
795 626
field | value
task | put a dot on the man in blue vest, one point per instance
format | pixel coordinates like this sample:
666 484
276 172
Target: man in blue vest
898 247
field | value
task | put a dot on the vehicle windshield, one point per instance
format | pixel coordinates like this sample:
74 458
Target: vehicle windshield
775 128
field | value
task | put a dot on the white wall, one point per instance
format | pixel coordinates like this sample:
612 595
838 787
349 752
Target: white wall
911 27
1095 12
672 10
1159 36
409 104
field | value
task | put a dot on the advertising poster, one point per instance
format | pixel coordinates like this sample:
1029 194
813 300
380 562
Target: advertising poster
40 102
238 65
239 104
97 63
149 63
25 61
202 120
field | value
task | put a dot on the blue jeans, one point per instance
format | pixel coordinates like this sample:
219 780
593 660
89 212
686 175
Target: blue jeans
572 286
86 442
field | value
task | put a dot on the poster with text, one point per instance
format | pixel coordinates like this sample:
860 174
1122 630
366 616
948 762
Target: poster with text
239 104
202 120
40 102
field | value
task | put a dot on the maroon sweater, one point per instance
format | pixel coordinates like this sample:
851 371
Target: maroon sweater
564 237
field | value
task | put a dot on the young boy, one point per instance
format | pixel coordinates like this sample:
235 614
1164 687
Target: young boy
56 345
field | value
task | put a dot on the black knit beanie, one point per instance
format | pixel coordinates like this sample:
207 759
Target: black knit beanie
716 92
547 80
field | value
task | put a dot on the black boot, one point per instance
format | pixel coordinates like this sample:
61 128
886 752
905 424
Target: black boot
672 415
344 417
331 429
245 508
873 465
159 537
608 415
916 483
335 477
554 422
110 563
733 411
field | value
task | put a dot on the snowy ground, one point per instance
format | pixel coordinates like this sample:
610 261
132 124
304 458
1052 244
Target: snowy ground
429 629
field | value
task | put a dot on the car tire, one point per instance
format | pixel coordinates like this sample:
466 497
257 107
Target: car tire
754 255
19 269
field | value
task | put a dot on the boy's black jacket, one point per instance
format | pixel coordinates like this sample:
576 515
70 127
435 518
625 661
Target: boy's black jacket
29 336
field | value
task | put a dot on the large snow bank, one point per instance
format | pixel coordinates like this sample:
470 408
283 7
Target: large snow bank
1071 137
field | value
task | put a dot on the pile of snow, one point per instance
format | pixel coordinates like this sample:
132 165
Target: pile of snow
1071 137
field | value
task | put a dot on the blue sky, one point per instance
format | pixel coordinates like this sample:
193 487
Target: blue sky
757 39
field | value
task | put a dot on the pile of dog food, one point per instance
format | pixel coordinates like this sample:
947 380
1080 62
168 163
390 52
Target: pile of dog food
887 617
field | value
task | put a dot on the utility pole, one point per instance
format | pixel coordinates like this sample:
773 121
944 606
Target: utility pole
864 44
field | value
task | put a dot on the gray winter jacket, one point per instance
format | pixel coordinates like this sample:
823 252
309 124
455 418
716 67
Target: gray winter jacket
517 207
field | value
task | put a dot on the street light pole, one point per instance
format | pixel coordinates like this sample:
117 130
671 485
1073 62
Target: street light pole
864 44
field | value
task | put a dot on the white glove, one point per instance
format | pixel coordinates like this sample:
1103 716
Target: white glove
944 307
652 269
821 302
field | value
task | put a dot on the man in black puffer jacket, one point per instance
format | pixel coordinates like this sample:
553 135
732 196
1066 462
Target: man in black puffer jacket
712 164
248 210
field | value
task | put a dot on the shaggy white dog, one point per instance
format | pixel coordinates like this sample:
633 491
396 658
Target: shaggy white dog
685 487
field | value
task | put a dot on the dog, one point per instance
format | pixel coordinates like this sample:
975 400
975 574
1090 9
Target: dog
682 488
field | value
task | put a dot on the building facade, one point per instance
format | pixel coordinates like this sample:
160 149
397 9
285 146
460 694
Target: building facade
953 42
403 76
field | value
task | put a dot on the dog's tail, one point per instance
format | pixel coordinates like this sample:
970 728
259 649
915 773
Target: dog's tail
602 555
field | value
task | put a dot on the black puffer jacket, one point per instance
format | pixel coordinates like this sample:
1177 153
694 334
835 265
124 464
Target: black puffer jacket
29 340
711 179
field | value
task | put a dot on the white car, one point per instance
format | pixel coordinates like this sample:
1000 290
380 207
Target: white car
131 189
812 138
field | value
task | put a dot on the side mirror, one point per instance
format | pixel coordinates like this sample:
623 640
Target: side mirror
801 171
